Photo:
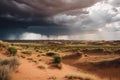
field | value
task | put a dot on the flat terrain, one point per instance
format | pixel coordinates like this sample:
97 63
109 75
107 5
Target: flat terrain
81 60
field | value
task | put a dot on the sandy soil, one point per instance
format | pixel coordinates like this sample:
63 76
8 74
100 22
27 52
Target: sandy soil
85 66
28 70
100 65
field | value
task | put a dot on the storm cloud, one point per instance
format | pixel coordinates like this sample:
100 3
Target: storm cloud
60 19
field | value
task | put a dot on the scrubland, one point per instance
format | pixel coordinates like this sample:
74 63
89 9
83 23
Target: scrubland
59 60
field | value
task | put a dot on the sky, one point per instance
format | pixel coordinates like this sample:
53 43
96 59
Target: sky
60 19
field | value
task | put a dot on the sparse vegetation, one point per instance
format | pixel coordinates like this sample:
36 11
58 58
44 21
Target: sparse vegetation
12 50
95 57
99 50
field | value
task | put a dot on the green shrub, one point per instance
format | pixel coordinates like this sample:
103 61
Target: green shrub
12 50
57 59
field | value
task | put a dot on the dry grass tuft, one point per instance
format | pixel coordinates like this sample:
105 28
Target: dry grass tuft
80 77
3 44
5 73
52 78
50 54
7 66
41 67
28 52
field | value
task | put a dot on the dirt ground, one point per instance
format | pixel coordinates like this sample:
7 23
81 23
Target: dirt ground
85 66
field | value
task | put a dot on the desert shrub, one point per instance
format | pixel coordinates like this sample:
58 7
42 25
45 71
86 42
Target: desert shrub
23 56
7 66
5 73
59 66
12 50
11 62
85 50
85 55
4 44
50 54
52 78
98 50
35 60
29 52
77 77
79 54
41 67
57 59
37 50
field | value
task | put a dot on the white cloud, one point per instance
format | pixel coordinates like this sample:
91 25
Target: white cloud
101 35
34 36
102 19
114 2
63 18
100 13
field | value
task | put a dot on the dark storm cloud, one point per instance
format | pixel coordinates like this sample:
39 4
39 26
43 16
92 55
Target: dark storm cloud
20 16
36 11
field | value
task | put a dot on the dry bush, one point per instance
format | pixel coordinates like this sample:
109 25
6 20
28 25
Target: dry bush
80 54
12 50
78 77
23 56
52 78
50 54
41 67
28 52
29 58
97 50
7 66
4 44
77 55
5 73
